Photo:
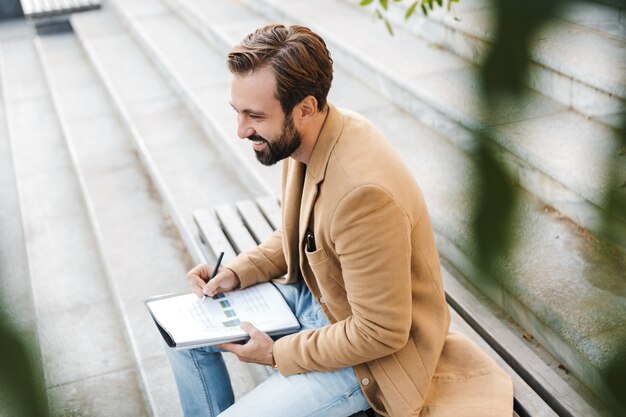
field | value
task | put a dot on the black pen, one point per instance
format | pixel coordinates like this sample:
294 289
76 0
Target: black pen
217 266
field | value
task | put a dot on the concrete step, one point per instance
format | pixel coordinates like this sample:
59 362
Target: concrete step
187 171
135 236
445 173
87 367
578 60
17 310
442 91
606 16
203 86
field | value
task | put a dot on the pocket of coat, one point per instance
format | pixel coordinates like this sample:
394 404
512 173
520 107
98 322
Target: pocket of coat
316 257
397 386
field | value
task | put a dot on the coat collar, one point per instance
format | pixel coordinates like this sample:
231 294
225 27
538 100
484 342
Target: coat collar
316 168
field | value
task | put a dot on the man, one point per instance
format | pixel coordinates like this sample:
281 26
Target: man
359 259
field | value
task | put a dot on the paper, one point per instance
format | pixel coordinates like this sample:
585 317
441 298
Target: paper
190 322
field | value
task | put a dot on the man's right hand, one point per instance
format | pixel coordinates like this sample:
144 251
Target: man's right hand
225 280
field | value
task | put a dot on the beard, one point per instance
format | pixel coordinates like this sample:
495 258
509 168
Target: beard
280 148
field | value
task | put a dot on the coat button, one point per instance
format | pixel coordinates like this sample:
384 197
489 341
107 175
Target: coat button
365 382
322 300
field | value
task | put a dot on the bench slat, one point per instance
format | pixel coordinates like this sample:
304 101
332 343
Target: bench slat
254 219
234 228
271 210
212 235
547 383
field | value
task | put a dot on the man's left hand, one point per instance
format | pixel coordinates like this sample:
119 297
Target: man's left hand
257 350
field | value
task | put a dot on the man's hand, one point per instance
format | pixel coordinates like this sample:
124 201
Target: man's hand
225 280
257 350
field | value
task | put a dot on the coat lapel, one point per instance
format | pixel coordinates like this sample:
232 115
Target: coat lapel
316 168
292 196
300 190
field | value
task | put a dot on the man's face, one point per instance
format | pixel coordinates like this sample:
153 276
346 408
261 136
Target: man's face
260 117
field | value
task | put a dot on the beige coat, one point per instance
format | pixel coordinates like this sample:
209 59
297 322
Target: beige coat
376 275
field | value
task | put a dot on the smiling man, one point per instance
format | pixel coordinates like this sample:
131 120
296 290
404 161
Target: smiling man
355 260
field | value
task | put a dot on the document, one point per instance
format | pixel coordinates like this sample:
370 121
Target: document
185 321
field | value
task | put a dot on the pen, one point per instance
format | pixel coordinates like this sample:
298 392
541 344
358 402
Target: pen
214 273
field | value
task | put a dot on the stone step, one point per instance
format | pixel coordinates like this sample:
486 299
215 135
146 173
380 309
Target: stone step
445 173
442 91
577 60
87 367
186 170
17 310
203 86
134 234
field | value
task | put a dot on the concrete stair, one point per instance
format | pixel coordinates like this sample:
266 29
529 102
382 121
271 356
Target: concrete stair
80 333
578 60
14 266
106 201
139 134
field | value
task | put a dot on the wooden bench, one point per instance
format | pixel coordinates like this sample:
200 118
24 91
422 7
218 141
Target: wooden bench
539 390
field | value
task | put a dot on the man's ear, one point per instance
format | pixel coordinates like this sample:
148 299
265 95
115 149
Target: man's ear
306 109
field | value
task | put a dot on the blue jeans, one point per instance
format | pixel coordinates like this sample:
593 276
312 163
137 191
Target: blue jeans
205 390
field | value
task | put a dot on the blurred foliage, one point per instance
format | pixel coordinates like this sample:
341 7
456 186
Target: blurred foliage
21 378
382 6
496 196
503 73
615 200
516 22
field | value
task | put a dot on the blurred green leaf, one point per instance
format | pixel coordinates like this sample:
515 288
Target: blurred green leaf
389 28
617 377
424 10
507 62
431 4
411 10
495 197
379 14
365 2
440 3
384 4
21 381
615 197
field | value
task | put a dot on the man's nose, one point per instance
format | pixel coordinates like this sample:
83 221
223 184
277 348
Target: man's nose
243 128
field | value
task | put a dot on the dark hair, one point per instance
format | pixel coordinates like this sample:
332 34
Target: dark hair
298 57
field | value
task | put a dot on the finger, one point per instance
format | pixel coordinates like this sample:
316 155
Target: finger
249 328
231 347
213 287
197 282
200 271
197 290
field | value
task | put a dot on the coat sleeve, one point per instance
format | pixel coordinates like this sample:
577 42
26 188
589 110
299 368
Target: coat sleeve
263 263
371 234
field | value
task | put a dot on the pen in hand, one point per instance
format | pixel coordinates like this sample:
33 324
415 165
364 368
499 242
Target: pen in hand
217 267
